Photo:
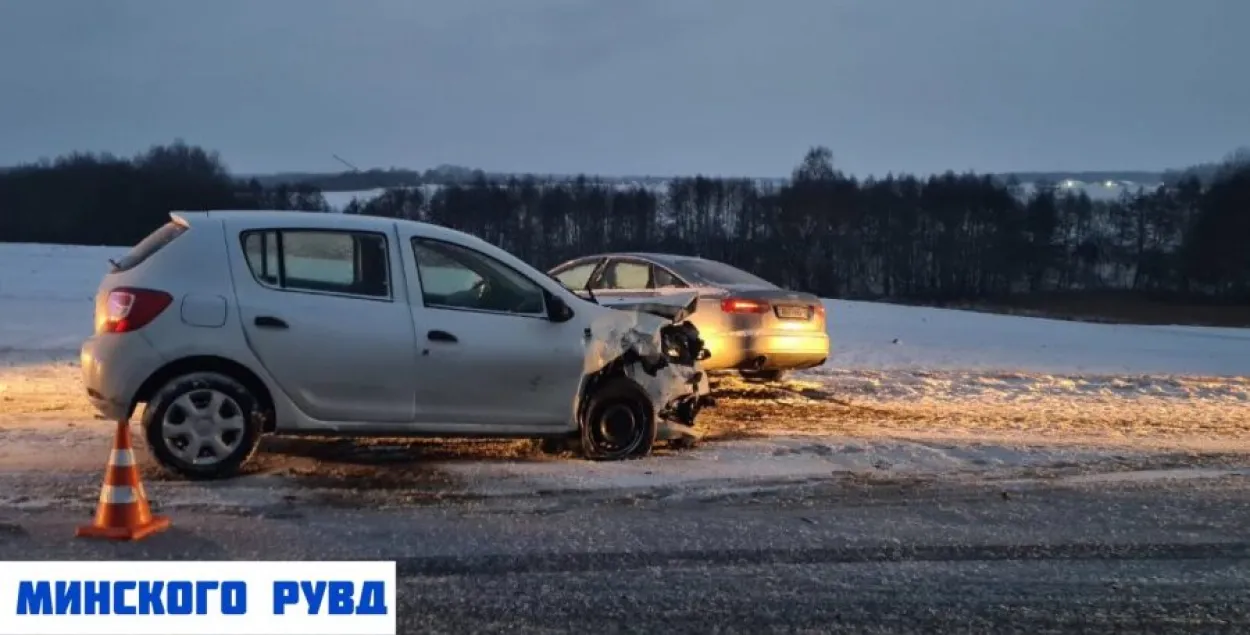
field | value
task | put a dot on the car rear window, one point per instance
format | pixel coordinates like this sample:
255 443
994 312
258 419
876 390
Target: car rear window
156 240
717 273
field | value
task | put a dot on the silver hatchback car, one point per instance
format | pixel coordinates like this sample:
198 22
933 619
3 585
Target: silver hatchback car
229 325
747 323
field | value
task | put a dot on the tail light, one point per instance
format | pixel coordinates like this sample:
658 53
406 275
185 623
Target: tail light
126 309
743 305
818 310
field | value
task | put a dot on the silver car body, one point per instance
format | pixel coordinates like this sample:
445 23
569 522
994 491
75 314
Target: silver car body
380 362
746 323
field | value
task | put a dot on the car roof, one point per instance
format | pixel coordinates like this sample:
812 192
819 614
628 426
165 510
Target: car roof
667 260
318 220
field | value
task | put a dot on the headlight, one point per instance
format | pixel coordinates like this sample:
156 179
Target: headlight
681 343
673 346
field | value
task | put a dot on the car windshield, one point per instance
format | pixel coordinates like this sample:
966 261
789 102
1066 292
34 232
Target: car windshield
710 272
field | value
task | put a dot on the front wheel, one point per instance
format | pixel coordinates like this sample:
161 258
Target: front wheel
619 423
202 426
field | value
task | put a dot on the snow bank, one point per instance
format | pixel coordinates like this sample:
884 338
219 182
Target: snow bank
46 297
863 335
745 463
46 481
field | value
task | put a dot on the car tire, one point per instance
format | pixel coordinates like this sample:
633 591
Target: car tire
619 423
189 399
763 375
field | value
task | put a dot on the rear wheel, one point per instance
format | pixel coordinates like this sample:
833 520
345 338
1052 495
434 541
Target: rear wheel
619 423
202 426
763 375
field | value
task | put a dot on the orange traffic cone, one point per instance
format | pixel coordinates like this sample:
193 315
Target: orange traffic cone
123 512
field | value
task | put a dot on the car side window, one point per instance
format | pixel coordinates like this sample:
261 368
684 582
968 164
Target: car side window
341 262
662 278
577 276
456 277
261 251
625 275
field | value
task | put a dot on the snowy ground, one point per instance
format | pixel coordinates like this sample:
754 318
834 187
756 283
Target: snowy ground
909 391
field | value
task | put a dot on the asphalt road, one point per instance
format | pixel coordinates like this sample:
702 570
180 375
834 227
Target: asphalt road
841 556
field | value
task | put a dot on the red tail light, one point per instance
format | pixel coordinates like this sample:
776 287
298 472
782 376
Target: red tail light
818 310
128 309
743 305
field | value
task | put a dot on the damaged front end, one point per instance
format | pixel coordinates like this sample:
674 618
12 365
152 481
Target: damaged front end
652 346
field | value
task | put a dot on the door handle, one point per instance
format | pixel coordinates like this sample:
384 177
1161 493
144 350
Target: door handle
441 336
269 322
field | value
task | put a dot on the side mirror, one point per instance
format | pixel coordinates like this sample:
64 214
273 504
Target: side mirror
557 310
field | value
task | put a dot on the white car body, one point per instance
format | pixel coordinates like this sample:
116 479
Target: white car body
378 362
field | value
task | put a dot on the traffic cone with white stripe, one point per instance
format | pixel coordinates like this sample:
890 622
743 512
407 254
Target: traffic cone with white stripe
123 512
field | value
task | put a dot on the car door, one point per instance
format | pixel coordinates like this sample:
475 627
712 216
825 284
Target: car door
623 280
322 311
488 354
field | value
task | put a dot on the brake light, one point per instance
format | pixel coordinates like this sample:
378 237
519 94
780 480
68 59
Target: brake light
818 310
128 309
743 305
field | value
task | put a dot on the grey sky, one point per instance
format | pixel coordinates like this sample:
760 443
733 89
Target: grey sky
739 87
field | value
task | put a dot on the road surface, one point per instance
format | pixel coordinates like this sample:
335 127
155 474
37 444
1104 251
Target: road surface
845 554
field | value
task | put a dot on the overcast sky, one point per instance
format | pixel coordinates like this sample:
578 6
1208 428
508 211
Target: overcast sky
731 87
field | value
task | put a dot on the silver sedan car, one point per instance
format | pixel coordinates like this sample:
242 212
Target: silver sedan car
747 323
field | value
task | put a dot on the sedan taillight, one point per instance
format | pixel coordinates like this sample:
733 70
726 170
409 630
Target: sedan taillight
743 305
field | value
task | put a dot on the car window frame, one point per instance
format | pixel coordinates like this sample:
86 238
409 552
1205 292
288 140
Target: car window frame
611 262
279 247
416 265
596 263
658 267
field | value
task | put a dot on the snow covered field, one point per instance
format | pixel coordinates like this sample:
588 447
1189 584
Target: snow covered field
908 391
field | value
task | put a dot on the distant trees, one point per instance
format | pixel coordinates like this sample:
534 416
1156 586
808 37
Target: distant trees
942 238
357 180
106 200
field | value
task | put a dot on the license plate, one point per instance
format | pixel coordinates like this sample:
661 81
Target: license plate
792 312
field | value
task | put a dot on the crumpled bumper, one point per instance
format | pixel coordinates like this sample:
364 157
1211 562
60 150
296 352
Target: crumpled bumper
653 345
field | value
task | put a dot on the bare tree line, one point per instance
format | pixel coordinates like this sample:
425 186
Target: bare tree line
942 238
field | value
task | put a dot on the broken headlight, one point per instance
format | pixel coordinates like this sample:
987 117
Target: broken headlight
681 343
